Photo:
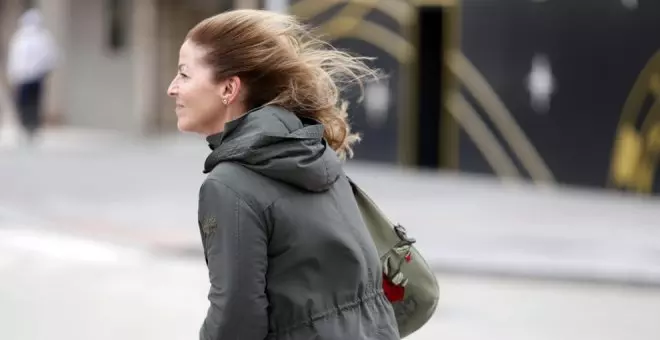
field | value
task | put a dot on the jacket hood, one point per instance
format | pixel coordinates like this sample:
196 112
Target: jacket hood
277 144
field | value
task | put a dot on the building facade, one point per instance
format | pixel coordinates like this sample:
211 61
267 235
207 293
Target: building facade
117 58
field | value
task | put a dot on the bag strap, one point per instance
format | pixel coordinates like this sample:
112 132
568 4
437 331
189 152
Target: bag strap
403 248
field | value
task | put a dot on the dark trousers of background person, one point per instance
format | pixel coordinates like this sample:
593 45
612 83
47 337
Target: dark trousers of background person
28 105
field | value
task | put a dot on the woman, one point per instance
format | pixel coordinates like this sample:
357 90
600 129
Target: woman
288 254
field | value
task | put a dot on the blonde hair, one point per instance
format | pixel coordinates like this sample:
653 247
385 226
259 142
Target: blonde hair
282 63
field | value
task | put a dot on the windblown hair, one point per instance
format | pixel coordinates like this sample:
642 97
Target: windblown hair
282 63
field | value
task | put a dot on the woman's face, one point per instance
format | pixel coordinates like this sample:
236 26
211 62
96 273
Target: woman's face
199 100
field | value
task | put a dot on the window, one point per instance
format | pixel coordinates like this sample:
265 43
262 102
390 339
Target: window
27 4
117 24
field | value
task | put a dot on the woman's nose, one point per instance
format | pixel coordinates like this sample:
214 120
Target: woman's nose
172 90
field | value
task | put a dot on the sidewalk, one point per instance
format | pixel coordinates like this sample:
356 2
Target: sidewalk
144 192
477 225
60 287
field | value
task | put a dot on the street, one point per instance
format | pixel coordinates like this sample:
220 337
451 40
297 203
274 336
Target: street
61 287
144 192
98 240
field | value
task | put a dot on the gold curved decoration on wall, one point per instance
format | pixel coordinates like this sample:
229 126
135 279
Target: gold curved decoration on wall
308 9
350 23
639 91
476 84
635 152
441 3
346 21
651 132
400 11
483 138
394 45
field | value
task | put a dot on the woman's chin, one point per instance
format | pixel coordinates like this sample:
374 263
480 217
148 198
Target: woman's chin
184 125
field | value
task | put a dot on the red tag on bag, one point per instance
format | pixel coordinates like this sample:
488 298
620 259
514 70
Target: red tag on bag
393 292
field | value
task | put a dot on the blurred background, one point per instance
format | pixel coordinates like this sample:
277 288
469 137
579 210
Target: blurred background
517 141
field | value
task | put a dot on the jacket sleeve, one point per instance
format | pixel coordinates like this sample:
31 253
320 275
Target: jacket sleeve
235 242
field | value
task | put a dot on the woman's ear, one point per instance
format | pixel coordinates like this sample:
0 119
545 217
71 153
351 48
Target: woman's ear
230 89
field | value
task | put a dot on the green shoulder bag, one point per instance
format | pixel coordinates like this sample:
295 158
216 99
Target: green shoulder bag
408 281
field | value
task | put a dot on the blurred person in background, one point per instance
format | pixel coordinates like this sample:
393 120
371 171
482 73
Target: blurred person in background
288 254
32 55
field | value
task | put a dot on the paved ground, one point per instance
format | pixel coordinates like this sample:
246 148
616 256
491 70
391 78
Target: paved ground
98 241
144 193
59 287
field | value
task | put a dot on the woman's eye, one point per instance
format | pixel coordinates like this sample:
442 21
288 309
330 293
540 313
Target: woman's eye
183 75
